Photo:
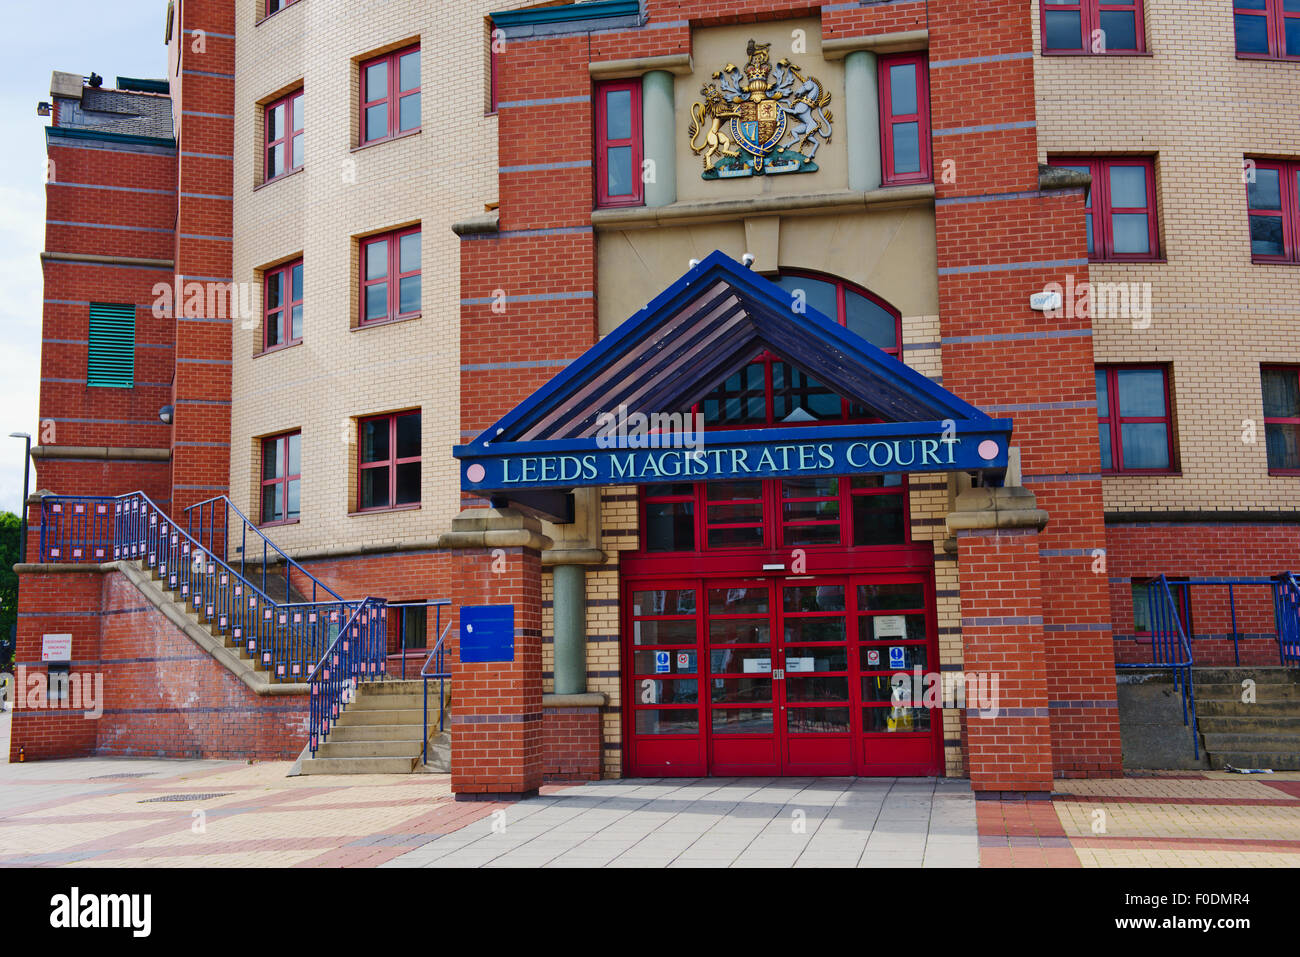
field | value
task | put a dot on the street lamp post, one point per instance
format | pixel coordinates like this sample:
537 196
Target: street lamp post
27 468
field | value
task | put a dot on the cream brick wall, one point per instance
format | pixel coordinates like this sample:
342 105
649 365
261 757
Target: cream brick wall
1215 315
444 173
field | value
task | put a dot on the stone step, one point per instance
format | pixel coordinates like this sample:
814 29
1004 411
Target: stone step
439 756
1227 691
360 716
1236 708
366 765
367 701
376 732
1235 675
334 748
1249 759
1254 743
1236 724
395 686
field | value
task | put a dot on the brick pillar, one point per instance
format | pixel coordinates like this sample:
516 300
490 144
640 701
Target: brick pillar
496 709
1002 634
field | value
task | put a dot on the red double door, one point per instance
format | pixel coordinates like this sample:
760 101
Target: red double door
782 675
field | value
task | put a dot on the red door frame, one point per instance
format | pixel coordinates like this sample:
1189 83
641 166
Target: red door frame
898 564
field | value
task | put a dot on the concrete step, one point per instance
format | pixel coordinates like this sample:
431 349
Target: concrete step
366 765
376 732
1255 743
1249 759
334 748
1227 691
1236 675
1229 724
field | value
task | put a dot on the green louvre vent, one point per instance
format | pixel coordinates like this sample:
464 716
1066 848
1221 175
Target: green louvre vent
111 357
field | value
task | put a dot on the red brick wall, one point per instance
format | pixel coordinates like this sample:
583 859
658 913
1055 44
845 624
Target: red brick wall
55 604
571 744
1147 550
200 432
163 696
1002 634
496 711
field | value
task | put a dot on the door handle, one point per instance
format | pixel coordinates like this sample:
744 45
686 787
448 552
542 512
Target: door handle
778 674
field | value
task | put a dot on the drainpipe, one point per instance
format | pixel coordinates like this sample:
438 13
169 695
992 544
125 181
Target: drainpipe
862 120
657 136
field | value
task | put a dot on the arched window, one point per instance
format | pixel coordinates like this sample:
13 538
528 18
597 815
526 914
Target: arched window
831 512
770 391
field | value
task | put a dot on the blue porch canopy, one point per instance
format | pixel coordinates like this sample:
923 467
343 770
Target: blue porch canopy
706 326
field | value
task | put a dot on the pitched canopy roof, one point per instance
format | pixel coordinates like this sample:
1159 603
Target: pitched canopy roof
706 326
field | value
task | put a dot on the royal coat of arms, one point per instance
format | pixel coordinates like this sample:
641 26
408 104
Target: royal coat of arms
760 119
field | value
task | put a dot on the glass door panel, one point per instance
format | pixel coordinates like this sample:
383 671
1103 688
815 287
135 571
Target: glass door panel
665 685
742 702
815 684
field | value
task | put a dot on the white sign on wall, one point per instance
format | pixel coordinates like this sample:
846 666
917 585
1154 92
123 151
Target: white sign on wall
890 626
56 647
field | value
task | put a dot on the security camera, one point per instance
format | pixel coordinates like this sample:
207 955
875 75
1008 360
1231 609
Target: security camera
747 260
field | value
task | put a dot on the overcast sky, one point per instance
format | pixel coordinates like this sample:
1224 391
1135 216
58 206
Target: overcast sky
124 38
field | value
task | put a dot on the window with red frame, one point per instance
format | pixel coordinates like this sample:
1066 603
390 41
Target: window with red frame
390 95
282 306
275 6
1121 209
1134 426
1093 26
765 514
905 119
1281 386
618 144
1268 29
390 276
1272 188
863 510
284 136
281 477
770 391
388 461
1144 602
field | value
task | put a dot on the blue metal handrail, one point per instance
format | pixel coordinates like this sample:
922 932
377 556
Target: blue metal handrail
356 654
288 640
439 604
437 658
247 525
1171 649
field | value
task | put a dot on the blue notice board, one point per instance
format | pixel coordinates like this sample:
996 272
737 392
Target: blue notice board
487 633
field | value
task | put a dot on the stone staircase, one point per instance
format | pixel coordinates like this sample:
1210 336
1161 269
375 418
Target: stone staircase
1260 734
380 732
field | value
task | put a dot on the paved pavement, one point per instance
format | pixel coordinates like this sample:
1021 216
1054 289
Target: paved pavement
121 812
723 822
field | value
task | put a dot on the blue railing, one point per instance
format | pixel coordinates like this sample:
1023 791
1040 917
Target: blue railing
437 661
357 653
213 518
1171 649
285 639
1286 607
438 604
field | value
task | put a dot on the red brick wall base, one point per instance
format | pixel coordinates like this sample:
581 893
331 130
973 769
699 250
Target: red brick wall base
571 744
162 695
